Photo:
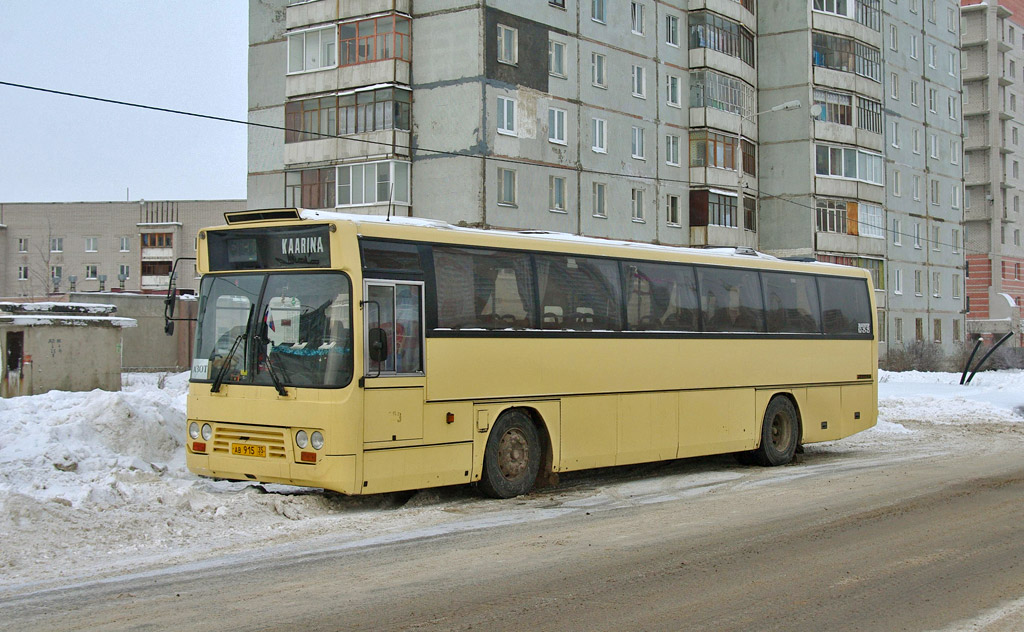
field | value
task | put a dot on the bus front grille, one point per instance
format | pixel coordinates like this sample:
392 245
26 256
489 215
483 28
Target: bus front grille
271 438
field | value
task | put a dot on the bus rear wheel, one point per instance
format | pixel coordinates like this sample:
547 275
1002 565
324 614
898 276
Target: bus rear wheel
780 433
512 456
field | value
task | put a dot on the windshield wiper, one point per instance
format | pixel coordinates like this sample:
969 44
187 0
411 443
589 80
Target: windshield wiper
231 354
270 365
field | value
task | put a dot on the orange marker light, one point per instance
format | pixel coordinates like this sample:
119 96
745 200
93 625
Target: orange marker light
308 457
450 418
199 446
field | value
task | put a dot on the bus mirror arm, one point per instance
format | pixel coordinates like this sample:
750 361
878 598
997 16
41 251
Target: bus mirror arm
172 297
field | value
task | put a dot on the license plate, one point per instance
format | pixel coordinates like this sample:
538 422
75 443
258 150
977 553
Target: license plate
244 449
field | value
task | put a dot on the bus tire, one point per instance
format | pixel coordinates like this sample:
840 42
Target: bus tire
780 433
512 456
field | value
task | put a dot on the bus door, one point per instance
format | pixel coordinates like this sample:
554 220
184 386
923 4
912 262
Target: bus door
393 361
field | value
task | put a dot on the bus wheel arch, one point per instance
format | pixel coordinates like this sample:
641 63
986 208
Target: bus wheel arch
514 454
781 431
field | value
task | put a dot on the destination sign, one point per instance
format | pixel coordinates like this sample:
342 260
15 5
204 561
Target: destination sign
269 248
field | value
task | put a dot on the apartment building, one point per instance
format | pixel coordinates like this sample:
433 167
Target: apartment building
571 115
993 48
101 246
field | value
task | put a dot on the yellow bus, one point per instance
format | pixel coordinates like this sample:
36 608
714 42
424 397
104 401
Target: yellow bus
366 355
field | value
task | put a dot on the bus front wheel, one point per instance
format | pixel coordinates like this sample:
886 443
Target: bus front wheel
780 433
512 456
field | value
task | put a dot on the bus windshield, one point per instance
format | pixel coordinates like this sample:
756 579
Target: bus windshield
292 329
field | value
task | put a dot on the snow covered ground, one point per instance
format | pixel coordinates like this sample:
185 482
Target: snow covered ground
94 484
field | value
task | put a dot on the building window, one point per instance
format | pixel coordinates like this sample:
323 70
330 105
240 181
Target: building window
937 330
376 39
157 240
638 205
895 140
721 210
557 3
507 116
23 273
956 240
847 55
897 282
848 162
956 286
556 58
56 244
956 330
711 31
842 8
897 232
672 210
933 96
897 325
711 149
918 283
913 46
931 55
936 284
831 216
125 244
311 188
870 221
672 30
91 244
934 192
556 126
56 272
869 115
955 196
636 12
917 141
715 90
954 152
365 111
597 11
672 91
639 82
952 63
22 244
914 93
508 45
917 236
637 146
897 183
599 129
124 270
91 271
893 38
312 50
951 106
506 187
750 213
917 187
835 107
556 201
599 199
597 70
672 150
748 153
373 183
894 86
156 268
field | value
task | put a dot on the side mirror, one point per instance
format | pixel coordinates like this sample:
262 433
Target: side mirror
169 327
378 344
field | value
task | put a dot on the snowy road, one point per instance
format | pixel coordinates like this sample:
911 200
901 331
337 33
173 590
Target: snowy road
916 524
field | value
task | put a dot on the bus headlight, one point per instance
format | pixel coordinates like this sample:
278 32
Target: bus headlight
301 439
207 432
193 430
317 440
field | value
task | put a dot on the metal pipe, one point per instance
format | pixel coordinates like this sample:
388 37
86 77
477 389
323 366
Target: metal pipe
994 347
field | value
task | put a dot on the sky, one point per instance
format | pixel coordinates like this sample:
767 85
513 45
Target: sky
182 54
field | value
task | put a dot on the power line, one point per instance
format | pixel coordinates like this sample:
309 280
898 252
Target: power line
412 150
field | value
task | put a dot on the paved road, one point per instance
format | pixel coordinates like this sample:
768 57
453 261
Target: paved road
832 543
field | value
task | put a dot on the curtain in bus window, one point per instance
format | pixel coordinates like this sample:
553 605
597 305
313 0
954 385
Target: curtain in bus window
791 303
660 297
484 289
579 293
845 306
731 300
